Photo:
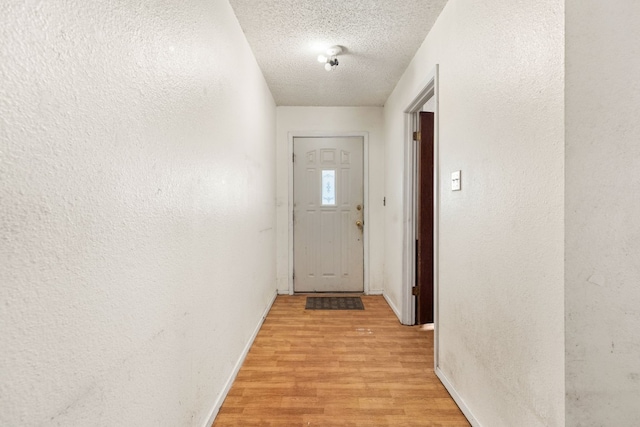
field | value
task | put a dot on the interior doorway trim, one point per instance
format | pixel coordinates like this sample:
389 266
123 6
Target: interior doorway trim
428 90
365 177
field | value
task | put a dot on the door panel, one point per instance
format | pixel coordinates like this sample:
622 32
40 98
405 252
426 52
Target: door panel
328 189
424 229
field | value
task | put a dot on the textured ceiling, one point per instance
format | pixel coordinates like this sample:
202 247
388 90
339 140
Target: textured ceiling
379 36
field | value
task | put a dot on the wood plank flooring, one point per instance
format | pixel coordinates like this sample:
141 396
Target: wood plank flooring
338 368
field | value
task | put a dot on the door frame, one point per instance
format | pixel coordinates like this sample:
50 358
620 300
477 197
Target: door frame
365 181
427 91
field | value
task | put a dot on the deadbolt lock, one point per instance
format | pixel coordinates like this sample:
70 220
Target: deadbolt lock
359 207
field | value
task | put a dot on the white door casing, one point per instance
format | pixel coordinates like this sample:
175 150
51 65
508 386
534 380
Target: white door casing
328 214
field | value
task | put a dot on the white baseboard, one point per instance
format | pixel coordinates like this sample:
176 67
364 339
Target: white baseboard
375 292
218 403
456 397
393 306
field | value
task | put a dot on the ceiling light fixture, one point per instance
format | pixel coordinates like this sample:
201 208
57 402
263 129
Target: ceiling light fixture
330 60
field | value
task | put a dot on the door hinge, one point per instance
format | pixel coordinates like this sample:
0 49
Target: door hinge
294 275
293 157
384 201
416 136
415 291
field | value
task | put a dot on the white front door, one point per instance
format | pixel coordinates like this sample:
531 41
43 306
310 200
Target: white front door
328 214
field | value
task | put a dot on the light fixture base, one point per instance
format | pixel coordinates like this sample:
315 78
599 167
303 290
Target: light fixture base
334 50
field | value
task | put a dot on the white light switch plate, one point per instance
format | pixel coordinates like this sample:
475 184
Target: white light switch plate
456 183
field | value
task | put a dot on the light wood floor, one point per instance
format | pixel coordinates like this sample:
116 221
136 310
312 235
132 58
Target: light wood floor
338 368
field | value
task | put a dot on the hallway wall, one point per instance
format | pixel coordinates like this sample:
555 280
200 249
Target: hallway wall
501 238
602 210
137 189
332 120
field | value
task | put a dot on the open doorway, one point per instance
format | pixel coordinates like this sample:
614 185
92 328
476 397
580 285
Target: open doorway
421 213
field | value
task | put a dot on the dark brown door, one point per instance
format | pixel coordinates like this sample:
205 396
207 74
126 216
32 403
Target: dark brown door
424 222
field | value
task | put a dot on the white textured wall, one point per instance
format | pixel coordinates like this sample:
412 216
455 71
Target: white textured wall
602 213
501 237
137 188
332 120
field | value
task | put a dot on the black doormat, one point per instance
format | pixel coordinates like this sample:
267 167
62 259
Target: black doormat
334 303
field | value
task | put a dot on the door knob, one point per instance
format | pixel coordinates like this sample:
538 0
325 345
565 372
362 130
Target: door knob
359 223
